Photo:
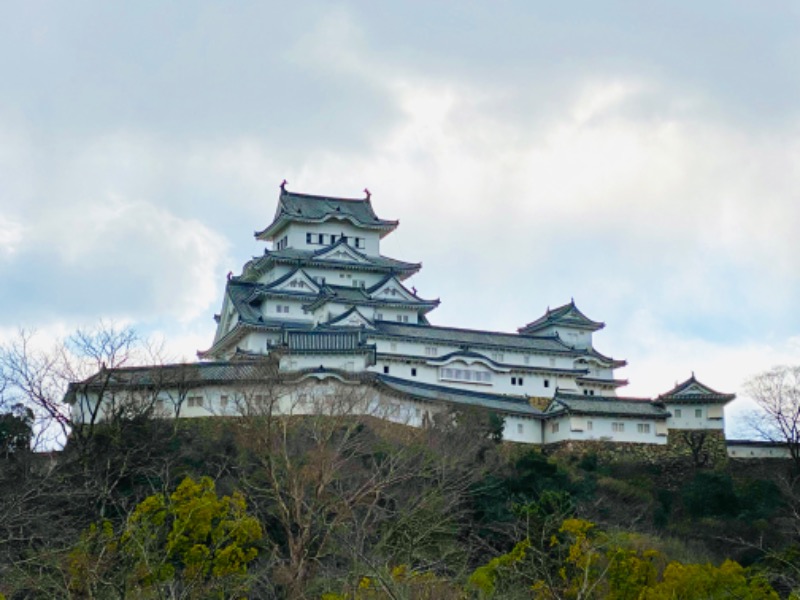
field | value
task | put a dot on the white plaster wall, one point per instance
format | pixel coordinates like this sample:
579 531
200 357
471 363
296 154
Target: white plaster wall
744 451
332 276
572 428
533 383
346 362
688 420
274 274
296 312
522 429
296 234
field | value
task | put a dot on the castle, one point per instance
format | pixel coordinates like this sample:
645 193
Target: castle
322 309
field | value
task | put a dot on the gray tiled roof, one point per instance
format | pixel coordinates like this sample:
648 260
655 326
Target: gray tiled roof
472 337
246 299
380 264
437 393
567 315
179 374
358 296
190 375
692 391
306 208
606 405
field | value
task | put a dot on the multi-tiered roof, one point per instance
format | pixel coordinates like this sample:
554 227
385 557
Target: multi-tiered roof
325 260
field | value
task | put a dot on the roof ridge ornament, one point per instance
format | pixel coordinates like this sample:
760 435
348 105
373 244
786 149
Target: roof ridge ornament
368 193
283 186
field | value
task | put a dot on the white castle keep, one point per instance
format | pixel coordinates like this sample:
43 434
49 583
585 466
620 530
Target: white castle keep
322 311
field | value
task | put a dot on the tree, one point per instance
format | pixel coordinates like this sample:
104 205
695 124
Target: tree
346 494
777 393
16 430
39 378
190 544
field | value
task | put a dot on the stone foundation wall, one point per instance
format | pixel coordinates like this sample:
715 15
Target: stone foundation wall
700 448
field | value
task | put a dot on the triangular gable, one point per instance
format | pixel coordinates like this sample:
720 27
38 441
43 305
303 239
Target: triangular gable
692 387
391 289
340 251
296 281
696 389
351 318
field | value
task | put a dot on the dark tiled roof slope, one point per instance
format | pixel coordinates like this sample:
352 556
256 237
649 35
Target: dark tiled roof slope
692 391
306 208
606 405
437 393
567 315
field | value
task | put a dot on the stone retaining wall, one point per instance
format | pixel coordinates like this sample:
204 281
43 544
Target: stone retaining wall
700 448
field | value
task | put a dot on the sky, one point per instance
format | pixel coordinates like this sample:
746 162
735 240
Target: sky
641 158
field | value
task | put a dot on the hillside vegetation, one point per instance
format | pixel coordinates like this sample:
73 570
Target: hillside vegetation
342 507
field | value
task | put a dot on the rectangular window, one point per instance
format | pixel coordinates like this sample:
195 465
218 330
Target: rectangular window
520 381
417 413
677 413
546 383
379 316
308 238
527 359
513 381
393 346
413 371
320 239
359 242
468 375
223 401
194 401
431 351
698 413
618 427
498 356
520 428
386 369
643 427
554 427
589 425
